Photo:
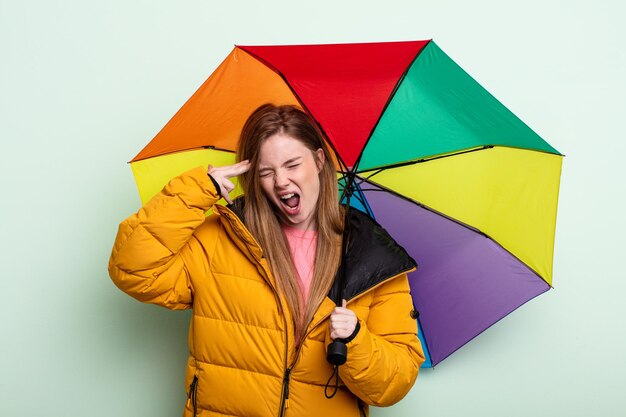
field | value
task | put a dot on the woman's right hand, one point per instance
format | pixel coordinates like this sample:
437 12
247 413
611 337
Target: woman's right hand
222 174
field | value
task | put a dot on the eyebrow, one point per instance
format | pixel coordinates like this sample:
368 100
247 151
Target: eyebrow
287 162
292 160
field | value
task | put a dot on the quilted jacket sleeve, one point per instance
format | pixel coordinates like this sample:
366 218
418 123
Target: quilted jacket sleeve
153 246
385 356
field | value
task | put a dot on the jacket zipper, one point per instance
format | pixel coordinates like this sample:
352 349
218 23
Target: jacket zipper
284 400
361 408
284 403
191 398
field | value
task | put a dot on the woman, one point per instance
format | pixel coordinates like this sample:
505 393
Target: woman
258 275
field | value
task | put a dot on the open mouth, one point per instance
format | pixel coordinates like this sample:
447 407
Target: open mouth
290 201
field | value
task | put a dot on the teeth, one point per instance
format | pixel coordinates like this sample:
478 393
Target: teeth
286 196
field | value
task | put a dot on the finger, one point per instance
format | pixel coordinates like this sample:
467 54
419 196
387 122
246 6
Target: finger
239 168
339 335
344 303
343 316
341 327
343 311
228 185
336 320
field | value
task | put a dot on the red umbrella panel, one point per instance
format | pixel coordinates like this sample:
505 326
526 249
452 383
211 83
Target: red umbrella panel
462 183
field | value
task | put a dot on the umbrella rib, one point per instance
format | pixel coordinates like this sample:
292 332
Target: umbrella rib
389 99
460 223
183 150
421 160
358 195
218 149
361 199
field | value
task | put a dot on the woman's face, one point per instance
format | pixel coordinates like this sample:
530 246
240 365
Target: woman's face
289 176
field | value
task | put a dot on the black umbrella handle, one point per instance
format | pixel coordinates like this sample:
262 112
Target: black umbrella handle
337 353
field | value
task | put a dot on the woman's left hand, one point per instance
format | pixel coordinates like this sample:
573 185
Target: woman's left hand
342 322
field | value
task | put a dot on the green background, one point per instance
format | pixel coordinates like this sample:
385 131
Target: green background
84 85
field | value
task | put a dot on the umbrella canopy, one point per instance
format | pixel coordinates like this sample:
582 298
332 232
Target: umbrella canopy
463 184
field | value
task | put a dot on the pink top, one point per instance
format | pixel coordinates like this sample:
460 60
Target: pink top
302 245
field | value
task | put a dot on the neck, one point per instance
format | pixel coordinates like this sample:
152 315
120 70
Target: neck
310 225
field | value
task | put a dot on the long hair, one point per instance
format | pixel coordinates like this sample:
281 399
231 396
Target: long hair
261 217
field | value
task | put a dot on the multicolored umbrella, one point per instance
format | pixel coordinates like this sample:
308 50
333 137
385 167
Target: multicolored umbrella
464 185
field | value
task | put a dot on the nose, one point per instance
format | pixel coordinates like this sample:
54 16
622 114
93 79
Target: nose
281 179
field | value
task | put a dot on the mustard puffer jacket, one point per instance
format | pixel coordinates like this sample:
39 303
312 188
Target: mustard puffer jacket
243 360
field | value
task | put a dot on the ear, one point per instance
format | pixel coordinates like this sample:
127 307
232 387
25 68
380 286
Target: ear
320 159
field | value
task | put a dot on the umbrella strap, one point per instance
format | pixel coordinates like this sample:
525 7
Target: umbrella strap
336 375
